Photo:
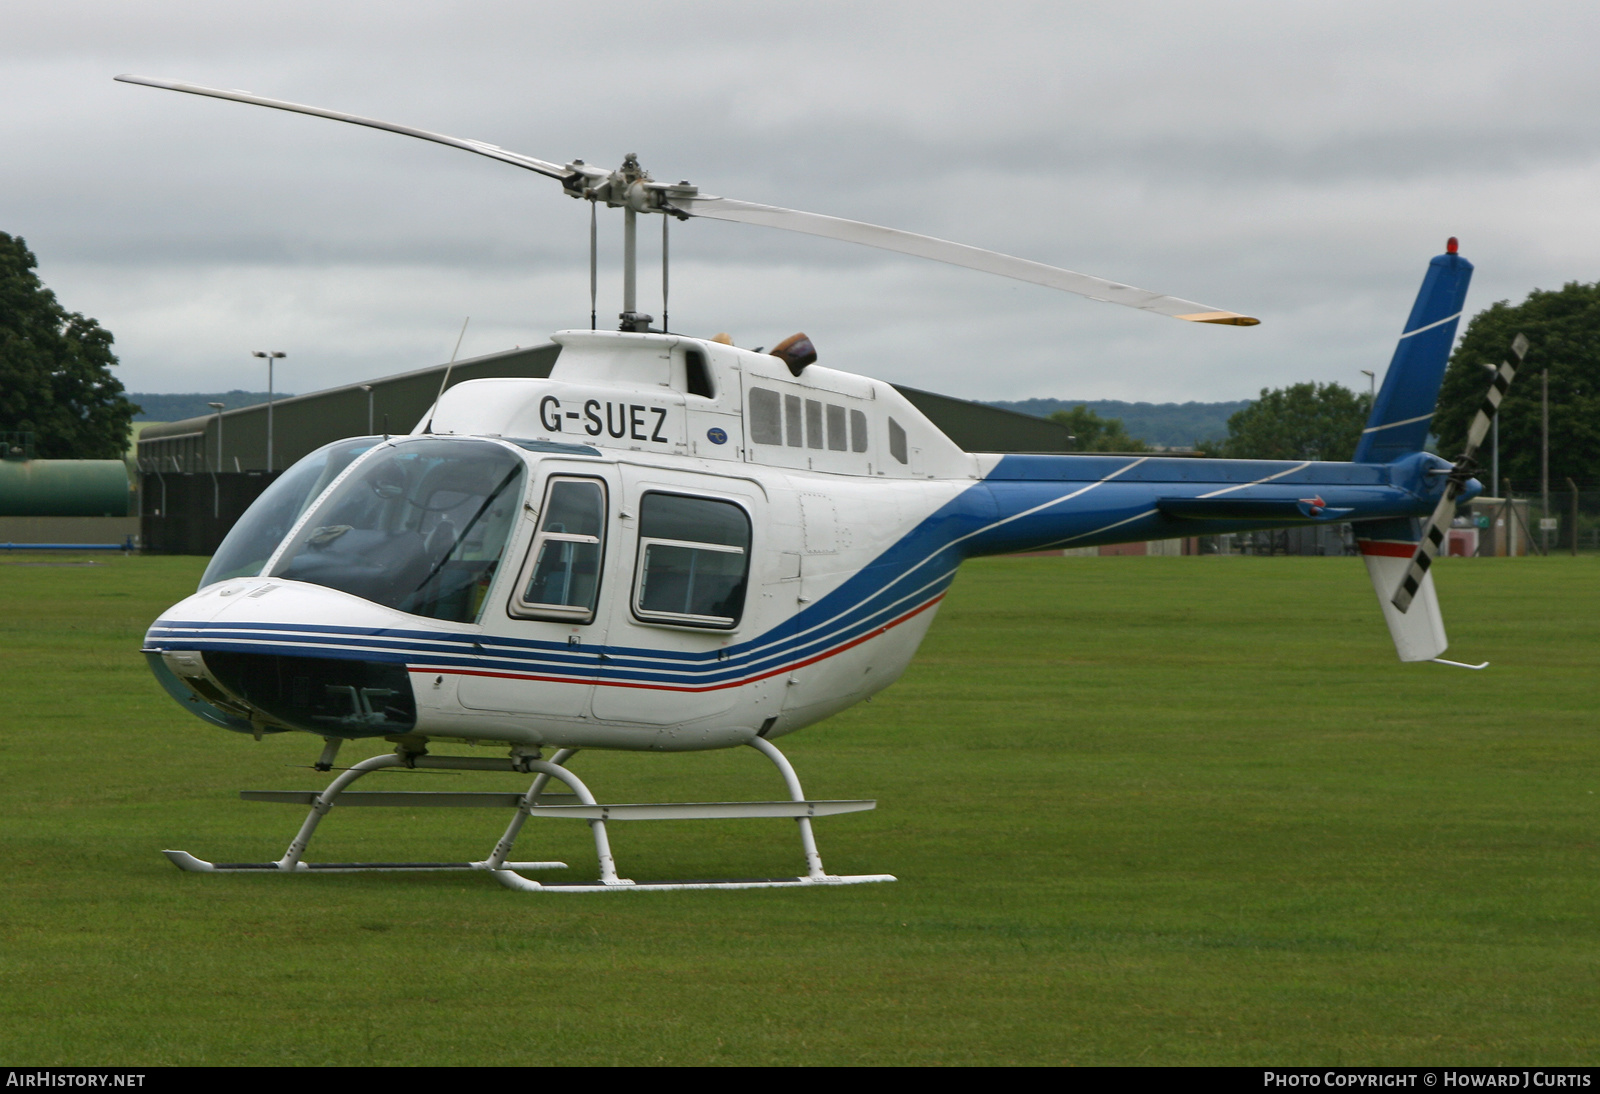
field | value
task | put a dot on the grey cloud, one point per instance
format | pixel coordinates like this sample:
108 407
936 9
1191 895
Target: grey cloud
1302 162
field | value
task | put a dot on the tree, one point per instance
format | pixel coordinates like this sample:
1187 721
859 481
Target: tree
55 369
1301 422
1563 331
1093 433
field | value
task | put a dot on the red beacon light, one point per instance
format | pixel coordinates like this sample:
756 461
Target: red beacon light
1451 246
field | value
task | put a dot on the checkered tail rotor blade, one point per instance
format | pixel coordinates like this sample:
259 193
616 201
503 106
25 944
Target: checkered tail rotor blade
1433 535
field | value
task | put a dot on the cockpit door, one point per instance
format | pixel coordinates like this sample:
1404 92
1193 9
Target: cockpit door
543 640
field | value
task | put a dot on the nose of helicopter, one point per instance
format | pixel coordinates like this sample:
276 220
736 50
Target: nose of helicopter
268 655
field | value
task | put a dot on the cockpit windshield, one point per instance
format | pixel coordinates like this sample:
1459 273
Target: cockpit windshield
251 541
419 526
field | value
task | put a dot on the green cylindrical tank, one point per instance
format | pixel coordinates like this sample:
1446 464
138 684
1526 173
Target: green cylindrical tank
64 488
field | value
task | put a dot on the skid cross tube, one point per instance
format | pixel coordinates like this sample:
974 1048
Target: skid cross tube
497 857
602 845
324 802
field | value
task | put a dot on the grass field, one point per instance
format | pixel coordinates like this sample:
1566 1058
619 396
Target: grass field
1143 810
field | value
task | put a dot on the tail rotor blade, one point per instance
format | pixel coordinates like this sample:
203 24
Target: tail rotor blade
1427 549
1497 392
1433 534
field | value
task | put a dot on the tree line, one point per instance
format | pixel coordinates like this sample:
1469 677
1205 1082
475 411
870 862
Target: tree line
1324 421
55 369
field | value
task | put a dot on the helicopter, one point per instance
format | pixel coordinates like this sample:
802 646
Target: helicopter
675 544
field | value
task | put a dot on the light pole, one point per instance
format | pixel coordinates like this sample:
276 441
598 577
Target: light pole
271 356
1372 383
218 408
1544 465
368 389
216 489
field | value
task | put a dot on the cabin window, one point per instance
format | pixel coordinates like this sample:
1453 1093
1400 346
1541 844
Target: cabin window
837 440
805 423
897 441
698 374
813 424
791 421
694 558
766 426
562 577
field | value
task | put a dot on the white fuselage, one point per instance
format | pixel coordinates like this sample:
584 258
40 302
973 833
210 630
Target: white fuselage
825 495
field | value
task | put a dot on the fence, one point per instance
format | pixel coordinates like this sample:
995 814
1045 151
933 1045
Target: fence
1485 528
1570 526
188 513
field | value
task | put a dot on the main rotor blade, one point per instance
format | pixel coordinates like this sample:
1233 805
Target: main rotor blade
494 152
957 254
1433 535
793 220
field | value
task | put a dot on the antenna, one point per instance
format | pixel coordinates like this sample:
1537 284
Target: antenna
664 222
452 364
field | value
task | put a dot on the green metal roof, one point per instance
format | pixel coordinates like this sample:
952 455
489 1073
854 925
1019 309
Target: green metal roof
978 427
304 423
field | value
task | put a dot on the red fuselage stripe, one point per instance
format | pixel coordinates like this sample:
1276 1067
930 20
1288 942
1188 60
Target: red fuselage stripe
1384 547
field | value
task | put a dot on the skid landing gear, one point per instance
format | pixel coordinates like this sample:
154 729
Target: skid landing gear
580 804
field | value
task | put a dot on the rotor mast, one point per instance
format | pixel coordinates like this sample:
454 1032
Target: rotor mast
630 189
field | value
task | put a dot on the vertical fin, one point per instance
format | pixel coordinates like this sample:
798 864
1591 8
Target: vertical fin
1403 413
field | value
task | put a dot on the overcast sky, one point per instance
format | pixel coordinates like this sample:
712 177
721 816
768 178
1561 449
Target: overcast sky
1299 162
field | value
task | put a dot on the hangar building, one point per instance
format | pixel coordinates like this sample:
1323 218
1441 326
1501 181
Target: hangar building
199 475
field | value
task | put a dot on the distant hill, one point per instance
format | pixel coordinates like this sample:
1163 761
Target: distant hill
1171 424
175 408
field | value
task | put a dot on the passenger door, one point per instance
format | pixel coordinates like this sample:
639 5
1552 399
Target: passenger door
683 596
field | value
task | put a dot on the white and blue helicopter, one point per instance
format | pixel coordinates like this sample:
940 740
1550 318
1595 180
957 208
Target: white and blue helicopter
673 544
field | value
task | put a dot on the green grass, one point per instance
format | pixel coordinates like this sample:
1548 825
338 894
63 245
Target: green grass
1143 811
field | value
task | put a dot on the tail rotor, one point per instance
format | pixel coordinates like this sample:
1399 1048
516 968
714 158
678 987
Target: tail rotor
1433 535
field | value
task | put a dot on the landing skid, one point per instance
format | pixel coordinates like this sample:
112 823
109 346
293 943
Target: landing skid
580 805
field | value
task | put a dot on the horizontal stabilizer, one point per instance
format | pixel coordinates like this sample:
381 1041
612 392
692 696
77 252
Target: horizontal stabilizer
1277 510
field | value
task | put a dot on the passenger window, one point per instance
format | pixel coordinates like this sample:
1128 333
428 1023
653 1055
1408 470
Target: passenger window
791 420
561 579
694 558
765 424
837 441
813 424
858 431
